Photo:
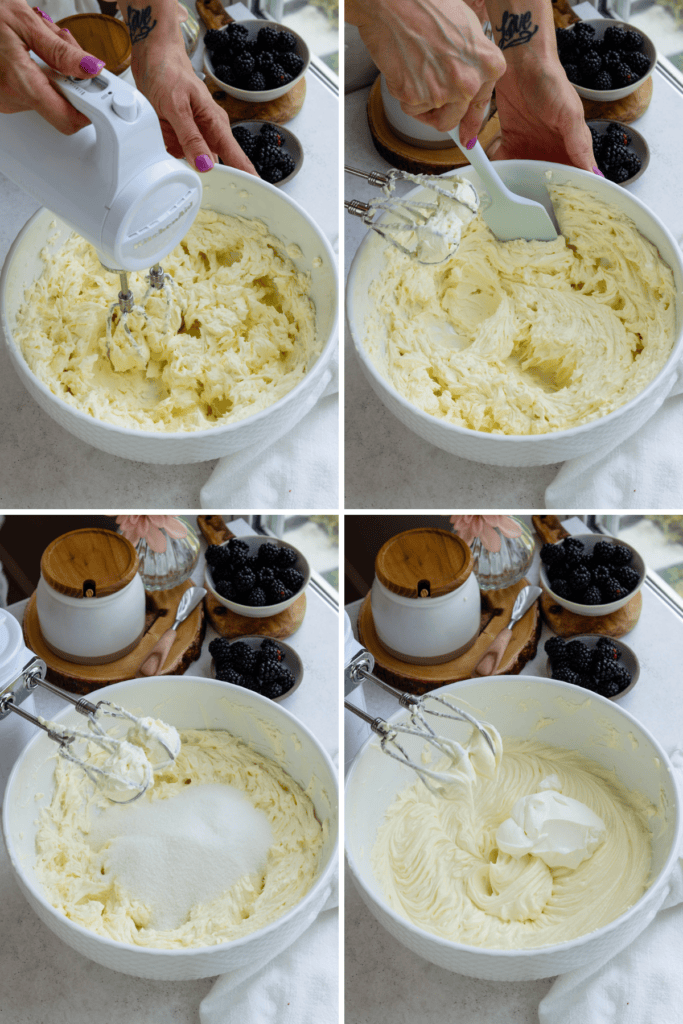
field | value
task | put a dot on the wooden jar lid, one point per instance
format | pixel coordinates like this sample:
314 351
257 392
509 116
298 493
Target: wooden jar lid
426 553
104 37
106 558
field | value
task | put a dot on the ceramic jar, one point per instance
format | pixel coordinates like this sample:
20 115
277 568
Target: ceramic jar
426 604
90 599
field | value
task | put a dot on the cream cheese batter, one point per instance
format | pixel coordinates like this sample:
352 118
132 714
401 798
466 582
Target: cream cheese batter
241 332
440 865
76 872
527 337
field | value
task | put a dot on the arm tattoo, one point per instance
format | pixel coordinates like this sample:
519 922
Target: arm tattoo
139 23
515 30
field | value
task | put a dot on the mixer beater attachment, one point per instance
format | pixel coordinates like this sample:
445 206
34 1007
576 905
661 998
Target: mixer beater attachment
357 670
158 281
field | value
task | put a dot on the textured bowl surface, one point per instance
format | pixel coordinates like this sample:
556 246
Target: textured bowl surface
609 95
291 660
627 658
225 190
590 540
264 95
637 145
598 728
291 146
266 610
185 702
528 178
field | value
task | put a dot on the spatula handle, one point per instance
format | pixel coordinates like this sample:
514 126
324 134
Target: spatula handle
155 659
489 663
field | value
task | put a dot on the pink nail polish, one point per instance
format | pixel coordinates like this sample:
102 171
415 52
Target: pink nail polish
472 143
66 31
91 65
203 163
44 15
596 170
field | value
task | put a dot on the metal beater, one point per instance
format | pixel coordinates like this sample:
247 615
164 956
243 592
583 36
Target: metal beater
158 280
359 668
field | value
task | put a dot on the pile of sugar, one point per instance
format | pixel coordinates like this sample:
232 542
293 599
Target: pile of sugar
189 849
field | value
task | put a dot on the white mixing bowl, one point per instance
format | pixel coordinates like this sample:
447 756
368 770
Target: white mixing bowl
517 705
227 191
185 702
528 178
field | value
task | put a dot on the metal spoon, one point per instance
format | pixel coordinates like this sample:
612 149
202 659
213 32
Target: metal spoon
154 661
489 662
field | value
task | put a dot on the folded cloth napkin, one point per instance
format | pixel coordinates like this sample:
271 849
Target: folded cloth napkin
297 468
297 986
641 472
636 985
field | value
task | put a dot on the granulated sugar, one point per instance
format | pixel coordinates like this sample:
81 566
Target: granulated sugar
174 854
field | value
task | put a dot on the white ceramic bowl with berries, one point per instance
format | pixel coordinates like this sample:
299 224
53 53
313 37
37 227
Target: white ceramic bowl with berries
600 26
589 541
626 658
253 28
265 611
290 660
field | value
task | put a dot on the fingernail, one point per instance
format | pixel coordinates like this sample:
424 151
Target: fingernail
596 170
91 65
65 31
203 163
44 15
472 143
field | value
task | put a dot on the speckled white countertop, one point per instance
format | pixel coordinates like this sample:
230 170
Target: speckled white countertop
385 982
388 466
42 979
44 466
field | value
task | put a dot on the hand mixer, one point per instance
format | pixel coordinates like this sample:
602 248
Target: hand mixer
112 182
126 772
359 663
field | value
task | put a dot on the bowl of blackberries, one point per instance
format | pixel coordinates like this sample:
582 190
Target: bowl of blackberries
621 153
597 663
275 152
605 60
255 61
256 576
591 574
264 665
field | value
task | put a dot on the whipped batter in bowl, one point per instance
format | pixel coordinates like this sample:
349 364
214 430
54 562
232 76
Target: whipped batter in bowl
468 886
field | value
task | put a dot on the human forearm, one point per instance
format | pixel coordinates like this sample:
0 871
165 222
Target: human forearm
523 28
152 24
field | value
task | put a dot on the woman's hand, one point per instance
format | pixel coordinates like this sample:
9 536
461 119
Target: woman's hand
541 115
23 86
435 57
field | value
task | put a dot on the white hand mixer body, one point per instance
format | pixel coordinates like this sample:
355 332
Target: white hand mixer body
112 182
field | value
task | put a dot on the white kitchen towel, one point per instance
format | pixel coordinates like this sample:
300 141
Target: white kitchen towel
640 984
297 468
644 471
297 986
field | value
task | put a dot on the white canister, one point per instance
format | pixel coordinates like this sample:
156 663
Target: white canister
90 599
426 604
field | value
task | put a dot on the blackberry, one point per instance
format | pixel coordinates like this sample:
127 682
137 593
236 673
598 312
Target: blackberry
218 648
245 581
276 591
247 142
292 63
617 133
551 553
238 549
589 65
615 37
266 38
638 63
226 674
579 580
622 75
609 689
611 58
553 646
263 576
632 163
557 571
244 66
278 76
567 675
267 667
566 41
287 165
268 554
241 134
592 596
602 81
608 649
561 588
612 590
621 555
613 155
601 668
292 579
622 676
602 553
285 42
573 73
237 33
271 647
241 656
579 655
213 39
257 598
264 60
574 544
617 174
633 41
286 558
271 133
256 82
274 690
226 589
217 554
600 574
224 73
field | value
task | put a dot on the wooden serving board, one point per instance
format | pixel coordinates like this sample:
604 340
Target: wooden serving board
161 609
233 625
412 158
627 110
496 609
566 623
